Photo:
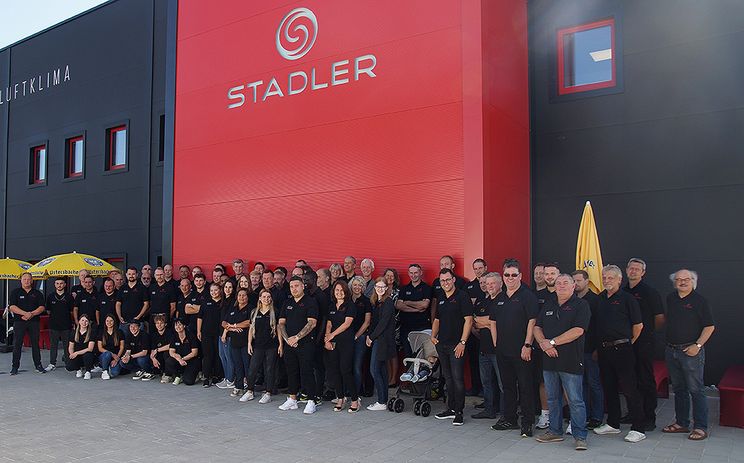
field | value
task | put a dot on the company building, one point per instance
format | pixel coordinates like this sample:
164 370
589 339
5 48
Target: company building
399 131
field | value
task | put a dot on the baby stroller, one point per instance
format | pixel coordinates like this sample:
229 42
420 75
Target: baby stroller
419 380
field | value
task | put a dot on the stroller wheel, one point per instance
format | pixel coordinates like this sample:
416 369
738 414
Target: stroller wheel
399 405
425 409
390 404
417 408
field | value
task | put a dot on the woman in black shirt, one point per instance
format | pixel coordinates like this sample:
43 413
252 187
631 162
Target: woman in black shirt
208 332
235 327
339 344
264 344
182 363
381 338
111 347
393 281
80 349
362 319
226 358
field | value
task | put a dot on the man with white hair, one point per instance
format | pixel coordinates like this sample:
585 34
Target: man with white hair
689 325
368 267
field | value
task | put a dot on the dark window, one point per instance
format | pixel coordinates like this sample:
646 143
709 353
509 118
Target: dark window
161 148
74 157
116 148
37 165
586 57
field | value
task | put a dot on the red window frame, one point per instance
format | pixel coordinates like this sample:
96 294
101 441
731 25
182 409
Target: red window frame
70 157
112 144
562 89
36 165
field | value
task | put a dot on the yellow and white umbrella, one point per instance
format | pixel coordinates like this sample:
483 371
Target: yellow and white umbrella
11 269
588 253
69 265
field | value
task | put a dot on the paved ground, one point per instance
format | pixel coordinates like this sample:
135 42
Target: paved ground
57 418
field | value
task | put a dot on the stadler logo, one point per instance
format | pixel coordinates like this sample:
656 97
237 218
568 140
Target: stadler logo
294 38
299 24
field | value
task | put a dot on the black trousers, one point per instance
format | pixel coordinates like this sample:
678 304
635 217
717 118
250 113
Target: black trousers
84 361
340 369
644 366
263 361
161 356
617 369
319 369
299 361
187 373
453 370
55 336
517 376
472 351
20 328
210 356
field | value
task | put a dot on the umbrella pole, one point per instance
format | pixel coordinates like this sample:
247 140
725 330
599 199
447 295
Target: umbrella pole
7 347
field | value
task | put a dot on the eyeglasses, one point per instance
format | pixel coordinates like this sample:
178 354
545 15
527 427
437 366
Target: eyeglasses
380 287
445 280
511 275
683 280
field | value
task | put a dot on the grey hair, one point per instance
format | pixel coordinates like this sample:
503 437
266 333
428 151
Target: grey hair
494 275
336 266
637 260
614 269
360 279
368 261
565 275
693 276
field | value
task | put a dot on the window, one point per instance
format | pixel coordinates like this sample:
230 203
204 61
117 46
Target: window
37 165
116 148
586 57
161 148
74 157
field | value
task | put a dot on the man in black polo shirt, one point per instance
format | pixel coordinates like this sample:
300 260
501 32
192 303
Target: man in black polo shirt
184 272
593 394
187 305
86 301
472 350
550 274
59 304
473 288
133 301
652 314
297 321
168 275
689 325
487 361
350 265
162 297
136 352
238 266
619 324
413 305
436 287
78 288
538 274
317 286
513 320
106 302
449 333
27 304
559 331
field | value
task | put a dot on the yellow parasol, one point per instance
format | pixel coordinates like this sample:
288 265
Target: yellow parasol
588 254
11 269
69 265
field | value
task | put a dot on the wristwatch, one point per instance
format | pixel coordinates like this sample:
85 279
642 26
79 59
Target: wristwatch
528 345
462 342
699 346
552 342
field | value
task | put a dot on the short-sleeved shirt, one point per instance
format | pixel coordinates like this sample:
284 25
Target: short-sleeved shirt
158 340
136 344
649 301
483 307
132 300
616 316
191 298
296 314
234 316
107 305
263 336
183 347
451 313
87 303
590 337
161 298
474 290
544 295
26 300
80 344
686 317
60 310
414 321
108 341
210 313
555 320
512 315
363 307
337 317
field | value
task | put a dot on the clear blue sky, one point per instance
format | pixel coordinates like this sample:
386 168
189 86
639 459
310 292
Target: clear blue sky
22 18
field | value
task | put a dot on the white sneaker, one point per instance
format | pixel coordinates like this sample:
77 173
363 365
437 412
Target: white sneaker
310 408
50 367
606 429
377 407
544 421
86 375
96 370
165 379
236 392
247 396
105 375
79 374
223 384
265 398
138 375
176 380
147 377
635 436
289 404
568 429
230 384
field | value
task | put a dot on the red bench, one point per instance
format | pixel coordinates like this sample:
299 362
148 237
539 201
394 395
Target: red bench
731 388
661 374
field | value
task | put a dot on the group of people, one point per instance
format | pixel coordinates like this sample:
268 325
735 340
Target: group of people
557 346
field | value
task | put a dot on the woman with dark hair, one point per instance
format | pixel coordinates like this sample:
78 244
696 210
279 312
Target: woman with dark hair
246 282
359 326
382 340
339 345
183 362
80 355
111 347
208 332
265 345
235 325
230 294
224 346
393 281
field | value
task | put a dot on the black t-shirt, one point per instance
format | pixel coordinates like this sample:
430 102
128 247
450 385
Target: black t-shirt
161 298
28 301
296 314
616 316
414 321
512 315
278 296
649 301
234 316
60 310
474 290
132 299
263 336
107 305
555 320
136 344
87 303
686 317
190 319
590 337
484 307
544 295
158 340
183 347
81 344
323 299
77 289
210 313
108 341
451 313
363 307
337 316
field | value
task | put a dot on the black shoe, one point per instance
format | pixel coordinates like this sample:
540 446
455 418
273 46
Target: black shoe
39 369
527 430
206 383
483 415
503 425
626 419
650 426
480 405
14 372
457 421
445 415
591 424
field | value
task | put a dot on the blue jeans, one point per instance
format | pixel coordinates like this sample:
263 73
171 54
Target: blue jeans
360 350
139 363
686 375
226 359
593 394
105 361
378 370
241 365
488 370
572 384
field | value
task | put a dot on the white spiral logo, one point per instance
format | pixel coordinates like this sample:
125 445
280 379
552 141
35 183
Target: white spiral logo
298 31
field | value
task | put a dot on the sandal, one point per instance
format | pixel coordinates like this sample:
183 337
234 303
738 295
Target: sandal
697 434
353 409
674 428
339 405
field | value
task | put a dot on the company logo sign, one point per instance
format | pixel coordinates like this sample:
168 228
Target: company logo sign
46 261
24 266
93 261
34 84
295 36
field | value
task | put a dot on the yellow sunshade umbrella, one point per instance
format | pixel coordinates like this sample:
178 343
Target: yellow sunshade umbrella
11 269
69 265
588 254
